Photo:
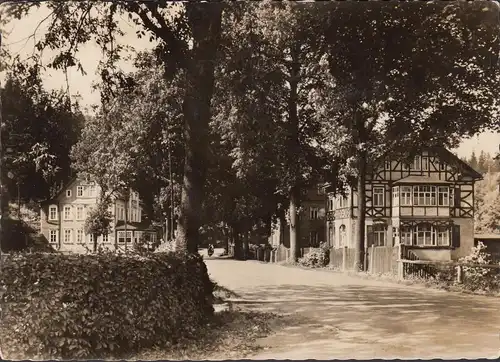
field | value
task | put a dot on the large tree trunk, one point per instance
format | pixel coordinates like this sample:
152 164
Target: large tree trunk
294 152
294 245
246 244
205 23
360 234
238 254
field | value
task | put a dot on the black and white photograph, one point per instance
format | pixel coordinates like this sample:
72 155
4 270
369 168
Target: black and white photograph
259 180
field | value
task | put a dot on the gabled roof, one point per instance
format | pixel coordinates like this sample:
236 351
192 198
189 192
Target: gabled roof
61 189
449 157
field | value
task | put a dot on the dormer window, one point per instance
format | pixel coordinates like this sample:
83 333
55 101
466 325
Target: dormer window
68 193
79 191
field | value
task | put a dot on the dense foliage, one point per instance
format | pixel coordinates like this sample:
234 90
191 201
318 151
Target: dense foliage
77 306
487 204
40 127
484 163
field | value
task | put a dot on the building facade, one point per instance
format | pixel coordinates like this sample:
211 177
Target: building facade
311 222
426 204
63 219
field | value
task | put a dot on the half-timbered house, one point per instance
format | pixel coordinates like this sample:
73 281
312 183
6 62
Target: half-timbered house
426 203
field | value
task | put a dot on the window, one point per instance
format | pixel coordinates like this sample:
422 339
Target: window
313 239
452 196
425 163
387 165
313 213
405 235
405 196
342 235
424 195
443 236
331 235
53 212
79 191
68 236
342 202
395 196
378 196
379 235
121 236
53 236
442 166
68 193
92 191
91 238
67 212
105 238
79 236
443 196
330 204
423 235
79 213
416 164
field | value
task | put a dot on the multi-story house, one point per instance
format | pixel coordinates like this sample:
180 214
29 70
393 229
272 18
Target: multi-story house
63 219
311 222
426 204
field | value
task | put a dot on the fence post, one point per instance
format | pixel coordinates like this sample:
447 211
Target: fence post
400 262
344 258
372 258
460 274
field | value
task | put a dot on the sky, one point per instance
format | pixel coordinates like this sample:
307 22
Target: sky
18 38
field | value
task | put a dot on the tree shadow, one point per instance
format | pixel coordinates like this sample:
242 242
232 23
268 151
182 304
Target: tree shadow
407 317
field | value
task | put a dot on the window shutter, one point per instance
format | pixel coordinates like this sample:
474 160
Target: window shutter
369 235
457 197
455 236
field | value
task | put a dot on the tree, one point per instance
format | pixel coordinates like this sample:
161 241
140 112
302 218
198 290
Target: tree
187 36
486 204
473 162
98 222
482 166
401 77
40 127
265 75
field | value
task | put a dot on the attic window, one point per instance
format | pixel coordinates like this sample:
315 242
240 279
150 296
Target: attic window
68 193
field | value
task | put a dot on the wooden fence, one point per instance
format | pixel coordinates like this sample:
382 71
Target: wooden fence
451 270
382 259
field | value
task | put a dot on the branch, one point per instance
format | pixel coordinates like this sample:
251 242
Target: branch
164 31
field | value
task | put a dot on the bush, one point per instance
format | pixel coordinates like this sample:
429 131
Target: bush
94 306
476 278
316 257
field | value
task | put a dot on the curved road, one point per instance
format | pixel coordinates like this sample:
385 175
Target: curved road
344 317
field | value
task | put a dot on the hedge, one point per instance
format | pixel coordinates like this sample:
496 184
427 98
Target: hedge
96 306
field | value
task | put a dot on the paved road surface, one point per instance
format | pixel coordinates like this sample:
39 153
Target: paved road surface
338 316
